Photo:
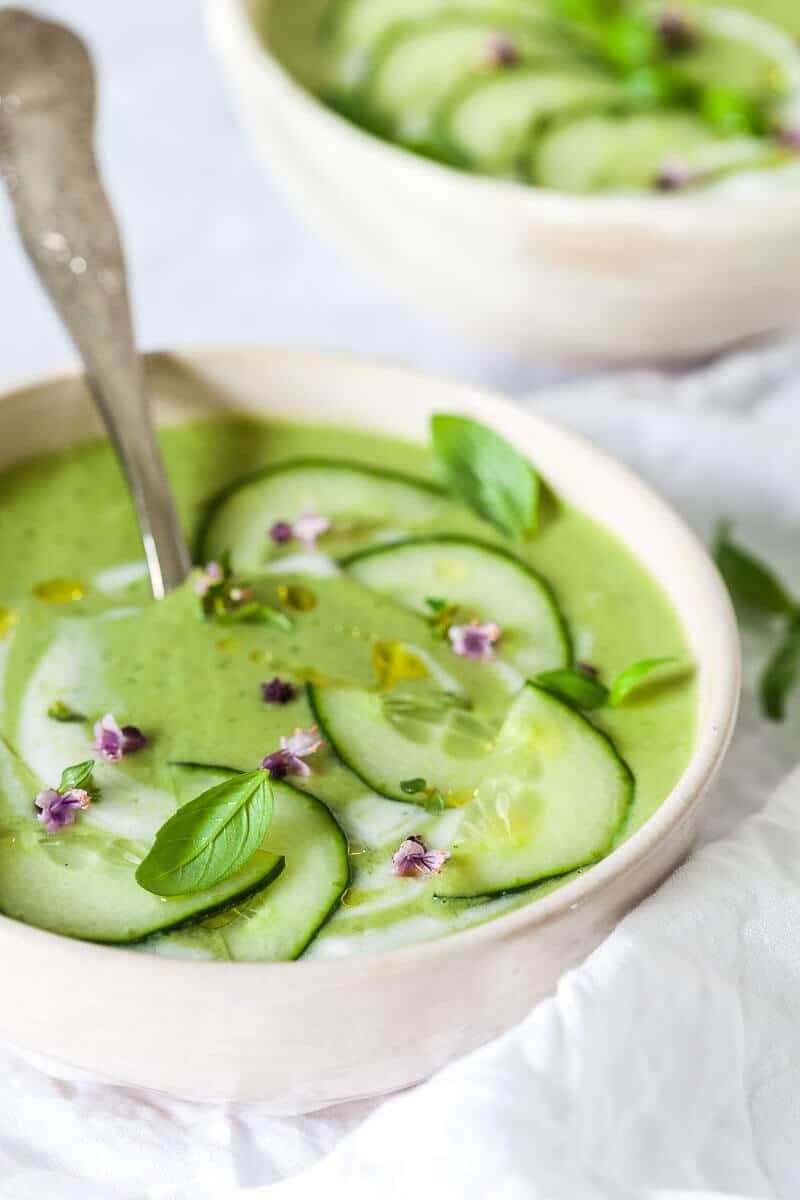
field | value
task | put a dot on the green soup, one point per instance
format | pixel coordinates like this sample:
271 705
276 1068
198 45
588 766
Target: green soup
79 627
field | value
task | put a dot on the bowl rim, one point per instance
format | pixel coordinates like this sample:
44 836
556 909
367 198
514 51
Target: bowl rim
713 733
230 23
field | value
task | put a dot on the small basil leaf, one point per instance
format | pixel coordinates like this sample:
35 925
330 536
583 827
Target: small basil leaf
210 838
782 673
628 679
59 711
749 581
254 613
77 776
573 686
486 471
410 787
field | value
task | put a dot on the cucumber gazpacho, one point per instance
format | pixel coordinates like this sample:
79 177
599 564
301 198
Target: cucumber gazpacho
404 690
574 95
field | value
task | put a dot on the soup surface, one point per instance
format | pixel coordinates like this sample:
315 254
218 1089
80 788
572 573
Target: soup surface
338 587
578 96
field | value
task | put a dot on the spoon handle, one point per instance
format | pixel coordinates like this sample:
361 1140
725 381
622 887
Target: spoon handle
47 101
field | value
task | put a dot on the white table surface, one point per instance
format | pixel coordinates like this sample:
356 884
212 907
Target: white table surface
215 253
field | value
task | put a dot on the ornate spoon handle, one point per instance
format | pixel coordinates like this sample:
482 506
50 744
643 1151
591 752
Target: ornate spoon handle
65 221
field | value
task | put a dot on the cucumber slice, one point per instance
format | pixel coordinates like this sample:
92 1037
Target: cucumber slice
80 881
601 151
486 123
415 66
279 923
354 26
240 518
550 800
484 582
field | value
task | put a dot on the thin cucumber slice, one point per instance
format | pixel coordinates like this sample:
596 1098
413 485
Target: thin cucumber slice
550 800
80 881
416 65
487 122
279 923
484 582
355 25
603 151
364 505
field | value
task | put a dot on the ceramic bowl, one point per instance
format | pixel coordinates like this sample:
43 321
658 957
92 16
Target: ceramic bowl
612 279
305 1034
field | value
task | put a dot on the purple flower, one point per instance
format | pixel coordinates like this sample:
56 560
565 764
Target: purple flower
502 51
674 175
412 858
293 750
210 577
789 137
306 529
112 742
278 691
474 640
675 29
57 809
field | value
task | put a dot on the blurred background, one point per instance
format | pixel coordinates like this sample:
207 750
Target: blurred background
216 254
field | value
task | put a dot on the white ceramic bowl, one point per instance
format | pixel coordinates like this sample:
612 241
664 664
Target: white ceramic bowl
301 1035
623 279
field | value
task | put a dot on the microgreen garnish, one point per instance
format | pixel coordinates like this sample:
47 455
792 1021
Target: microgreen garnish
58 807
307 529
756 589
210 838
485 471
278 691
231 603
474 640
434 800
59 711
574 686
289 759
413 858
782 672
441 615
112 743
751 582
628 679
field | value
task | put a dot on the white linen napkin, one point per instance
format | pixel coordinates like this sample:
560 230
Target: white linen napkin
667 1067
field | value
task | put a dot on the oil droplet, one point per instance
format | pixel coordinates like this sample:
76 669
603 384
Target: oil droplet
391 662
301 599
8 619
59 591
228 645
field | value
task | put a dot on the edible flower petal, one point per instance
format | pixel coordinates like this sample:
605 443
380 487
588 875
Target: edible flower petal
112 743
211 576
306 529
413 858
57 809
674 175
502 51
475 640
288 760
278 691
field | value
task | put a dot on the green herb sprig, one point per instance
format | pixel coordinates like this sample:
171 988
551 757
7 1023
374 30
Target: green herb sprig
757 589
210 838
485 471
587 691
434 800
81 775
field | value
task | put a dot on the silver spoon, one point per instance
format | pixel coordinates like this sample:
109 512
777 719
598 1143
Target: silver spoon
47 102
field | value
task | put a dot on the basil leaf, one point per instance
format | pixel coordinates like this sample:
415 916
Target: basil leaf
486 471
573 686
749 581
59 711
210 838
782 673
410 787
628 679
77 776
